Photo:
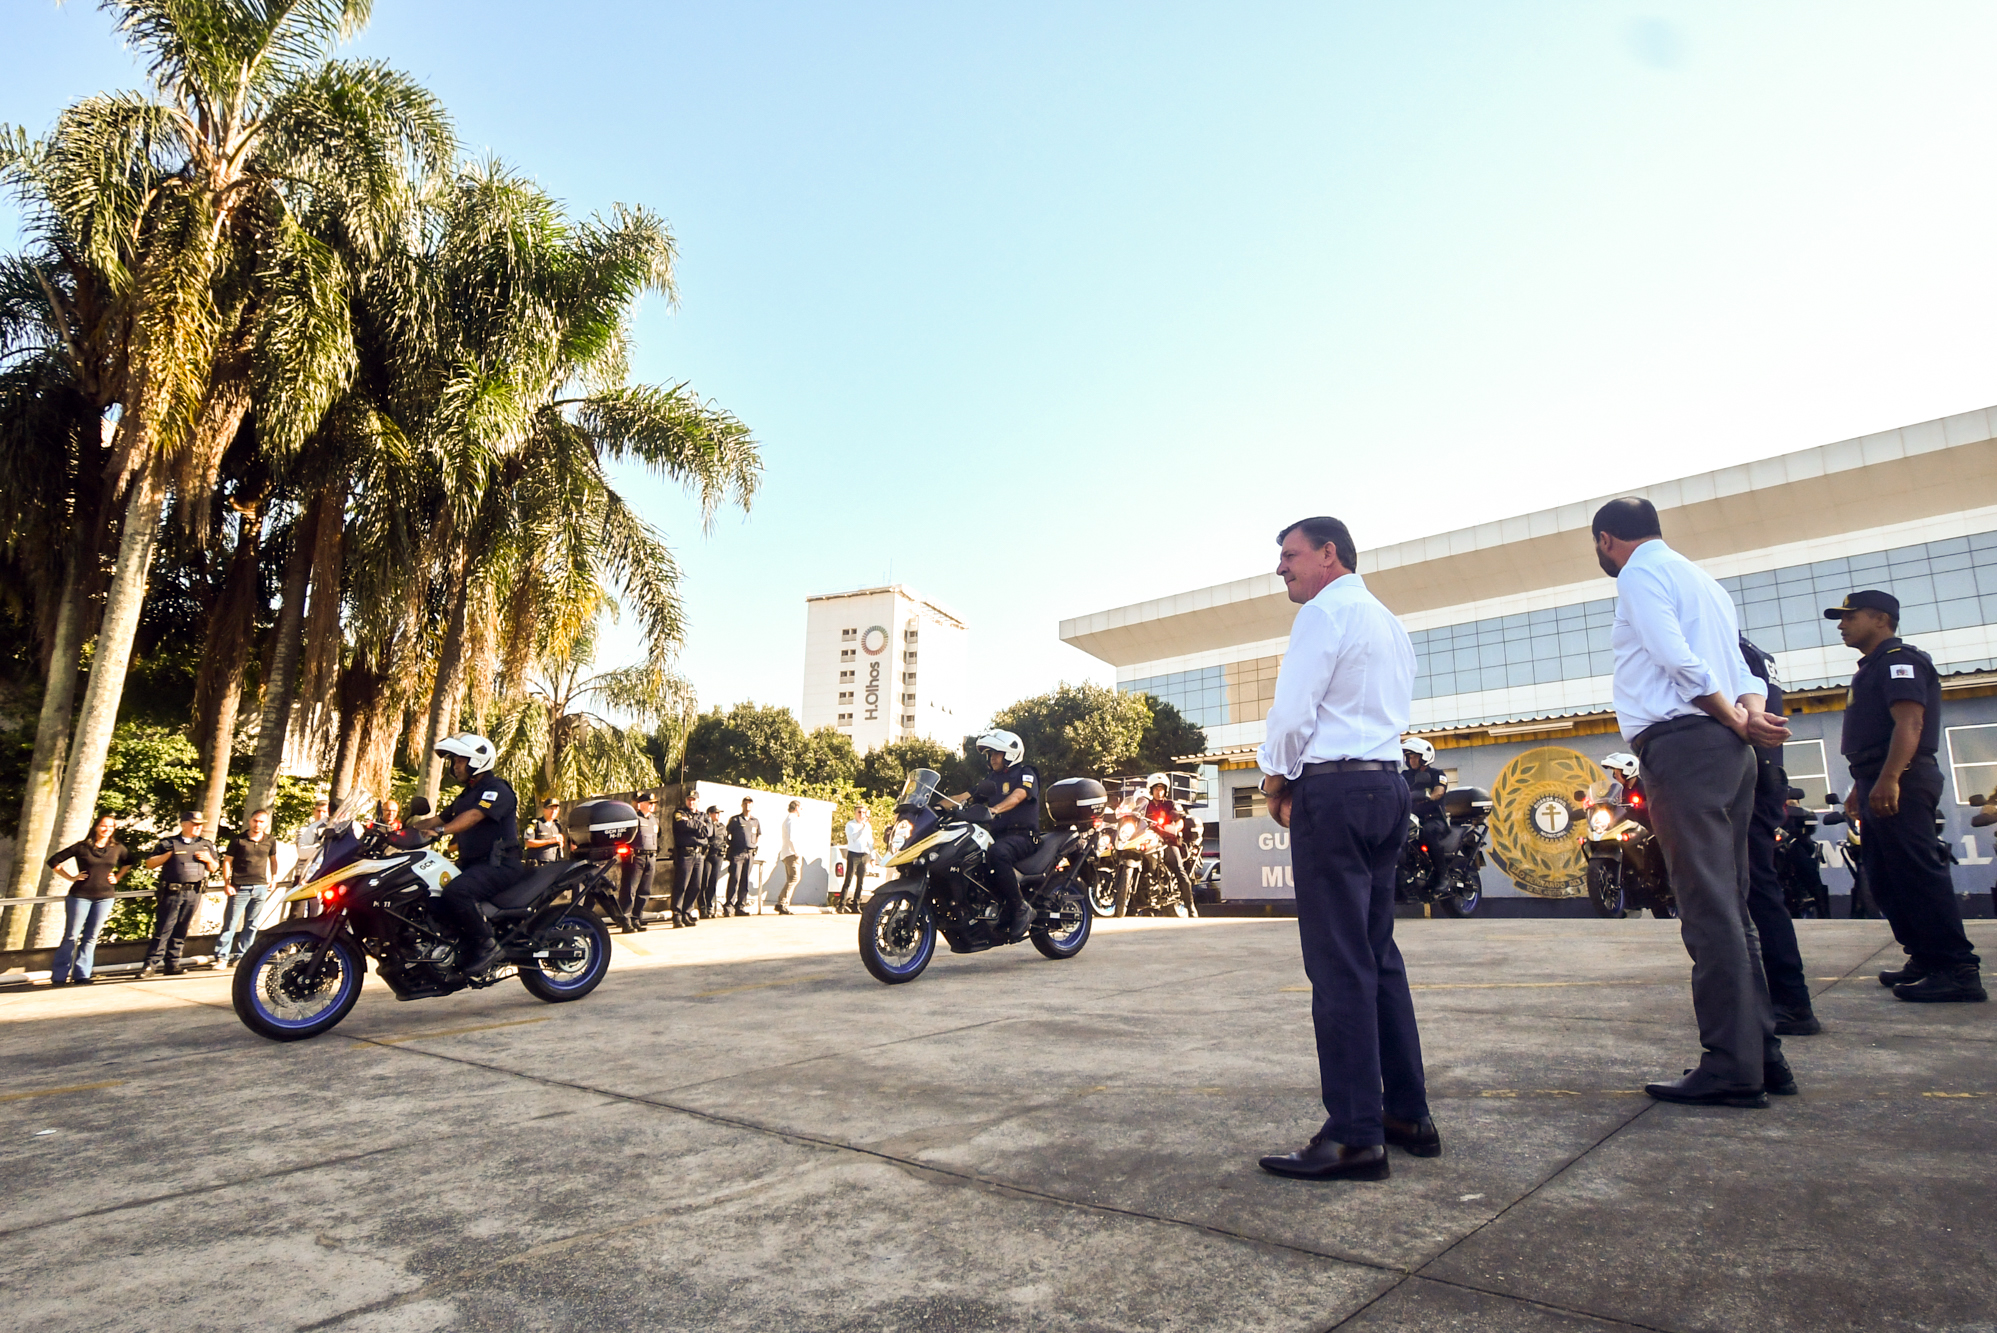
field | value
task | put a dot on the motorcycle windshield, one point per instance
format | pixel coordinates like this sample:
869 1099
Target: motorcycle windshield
920 788
342 839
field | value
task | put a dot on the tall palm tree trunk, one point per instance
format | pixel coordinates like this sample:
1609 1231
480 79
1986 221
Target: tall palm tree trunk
280 690
219 690
445 694
83 775
44 786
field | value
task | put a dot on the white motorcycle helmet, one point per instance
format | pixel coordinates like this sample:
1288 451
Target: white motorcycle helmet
1416 745
1002 742
1622 764
1157 780
465 745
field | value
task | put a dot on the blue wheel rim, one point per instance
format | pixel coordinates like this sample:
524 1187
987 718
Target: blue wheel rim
592 965
271 968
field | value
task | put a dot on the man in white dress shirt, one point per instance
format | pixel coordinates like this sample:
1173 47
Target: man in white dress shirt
1692 711
1333 766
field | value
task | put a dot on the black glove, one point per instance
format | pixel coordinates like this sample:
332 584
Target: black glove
409 839
976 814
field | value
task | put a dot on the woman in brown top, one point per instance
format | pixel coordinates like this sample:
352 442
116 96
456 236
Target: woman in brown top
101 862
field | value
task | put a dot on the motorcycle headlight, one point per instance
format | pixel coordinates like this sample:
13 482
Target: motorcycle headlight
1601 819
899 836
1126 831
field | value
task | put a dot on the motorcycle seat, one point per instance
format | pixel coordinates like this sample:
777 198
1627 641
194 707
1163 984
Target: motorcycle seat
1041 860
1451 842
527 890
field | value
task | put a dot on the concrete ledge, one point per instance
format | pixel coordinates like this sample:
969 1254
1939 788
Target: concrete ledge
110 957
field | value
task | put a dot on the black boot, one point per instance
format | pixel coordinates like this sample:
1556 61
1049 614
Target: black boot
1957 985
1902 976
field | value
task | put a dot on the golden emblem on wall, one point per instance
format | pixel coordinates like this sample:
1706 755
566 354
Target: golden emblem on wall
1536 822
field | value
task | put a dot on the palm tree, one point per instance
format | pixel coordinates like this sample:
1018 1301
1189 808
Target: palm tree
196 205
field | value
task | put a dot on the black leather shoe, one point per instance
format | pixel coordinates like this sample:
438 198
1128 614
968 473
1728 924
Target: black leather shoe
1417 1138
58 981
479 957
1796 1023
1325 1160
1021 924
1901 976
638 924
1699 1088
147 970
1777 1080
1961 985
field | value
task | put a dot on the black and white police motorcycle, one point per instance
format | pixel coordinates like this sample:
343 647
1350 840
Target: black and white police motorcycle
944 883
1626 868
378 892
1441 864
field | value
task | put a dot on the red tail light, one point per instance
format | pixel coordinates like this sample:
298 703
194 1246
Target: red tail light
1636 798
624 851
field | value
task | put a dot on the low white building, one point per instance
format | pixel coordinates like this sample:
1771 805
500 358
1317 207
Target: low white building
884 664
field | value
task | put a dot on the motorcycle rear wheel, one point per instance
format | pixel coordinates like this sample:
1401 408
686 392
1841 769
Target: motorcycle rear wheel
897 936
1467 898
569 979
273 997
1605 889
1067 929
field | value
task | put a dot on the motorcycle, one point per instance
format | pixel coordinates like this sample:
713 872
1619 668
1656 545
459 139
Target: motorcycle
378 891
1625 862
944 885
1797 856
1144 885
1443 869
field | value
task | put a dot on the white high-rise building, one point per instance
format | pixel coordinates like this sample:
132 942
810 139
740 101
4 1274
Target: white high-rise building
884 664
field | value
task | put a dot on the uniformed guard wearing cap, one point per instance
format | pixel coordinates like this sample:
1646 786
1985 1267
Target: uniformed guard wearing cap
1892 729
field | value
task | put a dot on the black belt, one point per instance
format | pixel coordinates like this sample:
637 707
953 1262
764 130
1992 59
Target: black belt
1349 766
1666 727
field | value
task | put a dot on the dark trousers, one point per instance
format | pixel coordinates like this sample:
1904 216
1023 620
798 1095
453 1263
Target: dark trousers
1007 851
1700 779
1781 959
739 871
1345 840
1908 874
856 880
710 882
174 906
635 889
474 885
686 882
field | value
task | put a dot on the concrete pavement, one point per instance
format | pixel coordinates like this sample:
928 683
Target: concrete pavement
741 1129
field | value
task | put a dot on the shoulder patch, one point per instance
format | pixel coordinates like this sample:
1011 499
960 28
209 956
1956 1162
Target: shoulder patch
1901 671
490 796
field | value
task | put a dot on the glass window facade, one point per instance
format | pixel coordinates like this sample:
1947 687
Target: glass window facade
1972 757
1942 585
1803 761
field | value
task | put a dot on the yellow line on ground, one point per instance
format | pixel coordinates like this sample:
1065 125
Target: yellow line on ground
57 1092
1509 985
1557 1092
760 985
1955 1094
447 1032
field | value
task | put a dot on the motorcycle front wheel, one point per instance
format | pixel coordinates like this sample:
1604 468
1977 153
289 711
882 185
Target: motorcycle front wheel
1126 885
897 936
279 994
570 959
1061 927
1605 888
1102 891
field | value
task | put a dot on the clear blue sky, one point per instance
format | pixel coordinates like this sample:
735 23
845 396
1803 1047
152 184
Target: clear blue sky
1049 308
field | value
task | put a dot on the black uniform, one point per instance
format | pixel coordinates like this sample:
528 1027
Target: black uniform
635 889
1905 865
544 829
1423 785
178 898
689 857
744 832
488 855
1781 959
1013 832
717 856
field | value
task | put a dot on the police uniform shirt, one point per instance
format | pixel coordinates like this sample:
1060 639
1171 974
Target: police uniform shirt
1422 783
717 838
1894 671
181 869
688 833
1017 777
547 828
646 838
744 832
496 836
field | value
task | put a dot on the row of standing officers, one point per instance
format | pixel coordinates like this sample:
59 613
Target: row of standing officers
704 846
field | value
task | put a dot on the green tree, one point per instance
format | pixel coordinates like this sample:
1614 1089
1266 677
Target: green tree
882 770
1095 732
751 745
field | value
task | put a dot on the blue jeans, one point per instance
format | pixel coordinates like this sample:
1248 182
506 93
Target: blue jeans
239 912
78 950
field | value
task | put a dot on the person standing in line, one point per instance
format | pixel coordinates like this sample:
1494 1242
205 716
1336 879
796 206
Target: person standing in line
635 889
744 832
793 826
247 864
1332 762
184 862
859 849
544 839
388 815
689 857
101 862
1892 732
1694 714
1781 957
716 856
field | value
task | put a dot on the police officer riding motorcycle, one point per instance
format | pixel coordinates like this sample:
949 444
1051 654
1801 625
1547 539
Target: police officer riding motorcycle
1163 813
1425 786
1012 795
484 818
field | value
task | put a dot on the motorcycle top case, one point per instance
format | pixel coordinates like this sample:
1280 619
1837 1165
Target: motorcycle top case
1464 802
598 826
1076 800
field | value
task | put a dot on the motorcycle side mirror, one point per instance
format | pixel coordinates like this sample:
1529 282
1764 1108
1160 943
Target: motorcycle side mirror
1832 798
1580 796
1792 793
1976 800
418 807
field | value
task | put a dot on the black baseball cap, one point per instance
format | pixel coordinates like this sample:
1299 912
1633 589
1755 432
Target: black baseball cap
550 803
190 817
1870 600
642 796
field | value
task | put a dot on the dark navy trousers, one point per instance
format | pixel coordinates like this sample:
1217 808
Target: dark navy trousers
1345 841
1908 871
1781 959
